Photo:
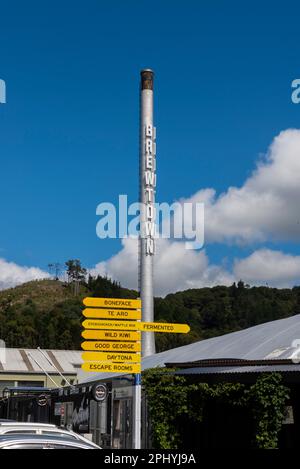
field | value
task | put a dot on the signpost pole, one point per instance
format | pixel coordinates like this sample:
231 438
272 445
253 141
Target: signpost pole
113 344
137 421
137 408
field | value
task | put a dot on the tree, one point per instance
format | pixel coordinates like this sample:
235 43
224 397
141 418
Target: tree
76 273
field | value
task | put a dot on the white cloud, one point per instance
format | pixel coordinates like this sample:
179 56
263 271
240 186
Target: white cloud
266 207
266 266
179 269
175 268
123 266
12 274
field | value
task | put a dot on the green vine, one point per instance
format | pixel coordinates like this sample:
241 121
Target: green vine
171 398
267 398
167 399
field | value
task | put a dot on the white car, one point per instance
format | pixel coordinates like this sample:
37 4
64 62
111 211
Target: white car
41 442
24 428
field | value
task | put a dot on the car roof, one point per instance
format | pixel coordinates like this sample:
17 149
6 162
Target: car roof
31 427
21 436
42 439
26 424
21 428
52 431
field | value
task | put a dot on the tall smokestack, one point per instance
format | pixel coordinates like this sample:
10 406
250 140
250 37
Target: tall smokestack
147 200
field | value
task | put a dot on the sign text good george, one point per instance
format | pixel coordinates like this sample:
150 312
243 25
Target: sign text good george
112 346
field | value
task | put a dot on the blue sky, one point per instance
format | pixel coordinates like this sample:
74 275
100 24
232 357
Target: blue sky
69 130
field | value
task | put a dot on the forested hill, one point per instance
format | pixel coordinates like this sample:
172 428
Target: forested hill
47 313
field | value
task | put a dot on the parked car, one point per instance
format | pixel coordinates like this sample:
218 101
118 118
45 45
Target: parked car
4 423
41 442
24 428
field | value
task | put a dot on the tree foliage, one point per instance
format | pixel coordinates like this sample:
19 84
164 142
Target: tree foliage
75 271
220 310
268 397
172 399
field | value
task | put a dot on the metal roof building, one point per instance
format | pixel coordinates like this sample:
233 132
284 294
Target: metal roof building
236 357
276 340
23 367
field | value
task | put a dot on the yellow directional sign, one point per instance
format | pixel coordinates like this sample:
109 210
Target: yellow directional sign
112 335
107 367
163 327
112 313
112 357
112 346
117 325
112 303
138 326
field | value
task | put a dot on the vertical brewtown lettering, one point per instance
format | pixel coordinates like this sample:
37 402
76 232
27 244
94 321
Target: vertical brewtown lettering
150 186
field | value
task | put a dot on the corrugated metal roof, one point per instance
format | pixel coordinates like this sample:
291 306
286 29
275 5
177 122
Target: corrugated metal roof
266 341
23 360
239 369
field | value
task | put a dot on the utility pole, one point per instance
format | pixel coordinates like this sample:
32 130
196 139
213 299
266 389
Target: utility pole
137 411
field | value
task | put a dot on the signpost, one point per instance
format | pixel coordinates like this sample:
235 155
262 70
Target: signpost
112 313
113 339
112 356
110 367
112 333
112 303
138 326
111 346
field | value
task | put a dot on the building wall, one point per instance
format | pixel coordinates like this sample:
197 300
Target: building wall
27 379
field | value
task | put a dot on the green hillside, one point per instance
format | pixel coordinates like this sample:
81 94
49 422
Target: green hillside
220 310
48 314
44 293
